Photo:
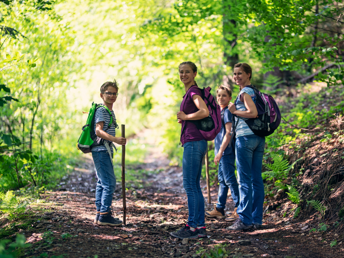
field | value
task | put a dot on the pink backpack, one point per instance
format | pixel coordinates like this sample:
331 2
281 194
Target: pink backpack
210 126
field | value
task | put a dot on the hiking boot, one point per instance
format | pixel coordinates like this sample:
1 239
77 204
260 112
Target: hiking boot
257 226
216 213
239 225
106 219
202 232
185 232
96 219
233 216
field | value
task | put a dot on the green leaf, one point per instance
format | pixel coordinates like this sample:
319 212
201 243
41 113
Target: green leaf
4 88
7 139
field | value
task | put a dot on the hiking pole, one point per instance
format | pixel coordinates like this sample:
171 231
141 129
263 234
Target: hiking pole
207 175
123 178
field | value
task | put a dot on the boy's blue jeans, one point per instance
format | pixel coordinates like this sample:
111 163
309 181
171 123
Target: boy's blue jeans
249 158
106 183
227 180
192 168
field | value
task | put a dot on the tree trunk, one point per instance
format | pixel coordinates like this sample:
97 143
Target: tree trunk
23 130
20 184
33 120
230 40
314 41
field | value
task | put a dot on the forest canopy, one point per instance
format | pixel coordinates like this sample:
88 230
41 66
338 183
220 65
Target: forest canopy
56 54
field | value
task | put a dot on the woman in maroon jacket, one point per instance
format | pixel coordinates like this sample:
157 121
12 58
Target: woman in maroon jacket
195 146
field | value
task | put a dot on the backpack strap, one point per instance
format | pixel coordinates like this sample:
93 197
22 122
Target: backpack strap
183 110
108 110
106 144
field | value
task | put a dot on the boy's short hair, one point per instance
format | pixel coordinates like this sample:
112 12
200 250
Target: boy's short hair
228 90
106 85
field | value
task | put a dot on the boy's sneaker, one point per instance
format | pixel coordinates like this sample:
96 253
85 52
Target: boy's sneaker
96 219
216 213
107 219
239 225
185 232
257 226
202 232
233 216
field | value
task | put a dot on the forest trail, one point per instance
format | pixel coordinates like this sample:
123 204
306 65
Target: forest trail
153 211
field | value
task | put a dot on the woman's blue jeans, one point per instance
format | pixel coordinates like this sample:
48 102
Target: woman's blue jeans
192 168
227 180
106 183
249 158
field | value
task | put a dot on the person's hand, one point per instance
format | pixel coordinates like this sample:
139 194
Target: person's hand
120 140
179 121
217 158
231 107
181 115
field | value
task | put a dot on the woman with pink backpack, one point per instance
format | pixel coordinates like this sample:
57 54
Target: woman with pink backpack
192 108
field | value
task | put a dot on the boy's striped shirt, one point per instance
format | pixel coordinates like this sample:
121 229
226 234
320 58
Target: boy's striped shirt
102 115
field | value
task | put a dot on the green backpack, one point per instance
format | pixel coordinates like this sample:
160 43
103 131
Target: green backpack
88 138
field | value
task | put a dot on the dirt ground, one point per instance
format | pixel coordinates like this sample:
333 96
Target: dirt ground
153 211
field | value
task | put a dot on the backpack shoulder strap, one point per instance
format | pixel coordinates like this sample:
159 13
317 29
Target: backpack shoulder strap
108 110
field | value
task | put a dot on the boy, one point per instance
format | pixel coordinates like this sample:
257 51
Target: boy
225 156
102 155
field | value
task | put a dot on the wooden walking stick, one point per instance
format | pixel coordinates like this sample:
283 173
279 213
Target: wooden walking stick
207 175
123 178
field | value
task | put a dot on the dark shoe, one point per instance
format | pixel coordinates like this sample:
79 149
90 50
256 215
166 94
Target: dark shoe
96 219
239 225
107 219
216 213
202 232
185 232
257 226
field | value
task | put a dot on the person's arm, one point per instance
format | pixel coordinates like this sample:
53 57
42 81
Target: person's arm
226 140
251 111
104 135
202 112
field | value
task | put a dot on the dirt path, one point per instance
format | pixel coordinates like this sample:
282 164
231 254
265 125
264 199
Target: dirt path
155 210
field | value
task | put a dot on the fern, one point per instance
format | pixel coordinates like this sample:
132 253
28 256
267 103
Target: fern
318 206
297 212
279 169
293 194
10 204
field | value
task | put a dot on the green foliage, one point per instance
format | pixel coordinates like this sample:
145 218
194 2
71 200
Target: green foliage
48 237
322 227
217 251
297 212
313 230
293 195
37 65
270 84
278 171
341 213
65 236
10 204
333 243
318 206
13 249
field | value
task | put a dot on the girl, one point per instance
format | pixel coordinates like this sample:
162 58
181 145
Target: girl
249 150
192 108
225 156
